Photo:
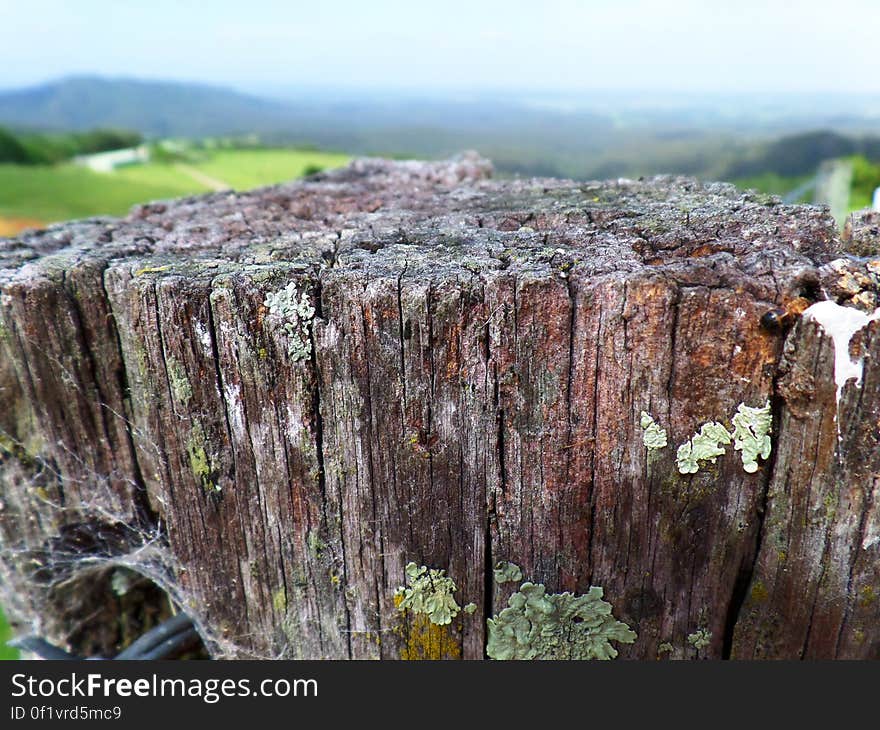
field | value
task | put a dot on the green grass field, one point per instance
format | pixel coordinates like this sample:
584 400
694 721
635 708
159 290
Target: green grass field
54 193
771 183
57 193
159 175
5 635
245 169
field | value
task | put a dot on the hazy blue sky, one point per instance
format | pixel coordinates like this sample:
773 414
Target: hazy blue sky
683 45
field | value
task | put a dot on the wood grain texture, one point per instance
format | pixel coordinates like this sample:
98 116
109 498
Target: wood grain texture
467 390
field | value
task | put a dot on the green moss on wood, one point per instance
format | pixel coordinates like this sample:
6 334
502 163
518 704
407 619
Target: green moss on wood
10 447
199 461
315 544
279 600
181 389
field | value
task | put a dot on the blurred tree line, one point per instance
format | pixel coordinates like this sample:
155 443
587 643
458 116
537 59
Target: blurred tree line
36 148
801 154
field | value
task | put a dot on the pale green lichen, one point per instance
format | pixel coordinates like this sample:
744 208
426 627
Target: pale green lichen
653 436
470 608
751 436
505 572
538 625
751 429
292 310
429 592
665 648
703 446
700 639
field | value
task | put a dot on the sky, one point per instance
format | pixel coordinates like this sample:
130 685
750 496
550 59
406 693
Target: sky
540 45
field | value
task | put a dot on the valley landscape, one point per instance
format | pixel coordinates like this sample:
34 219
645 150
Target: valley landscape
204 137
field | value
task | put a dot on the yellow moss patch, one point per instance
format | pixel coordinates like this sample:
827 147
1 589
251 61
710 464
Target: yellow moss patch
426 640
867 596
759 593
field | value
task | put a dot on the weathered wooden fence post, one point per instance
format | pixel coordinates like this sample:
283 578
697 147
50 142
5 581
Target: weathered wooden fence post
363 415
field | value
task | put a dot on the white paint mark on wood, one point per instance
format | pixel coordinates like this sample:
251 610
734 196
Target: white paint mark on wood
841 324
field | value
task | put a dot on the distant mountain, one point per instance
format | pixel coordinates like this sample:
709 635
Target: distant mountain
527 138
154 108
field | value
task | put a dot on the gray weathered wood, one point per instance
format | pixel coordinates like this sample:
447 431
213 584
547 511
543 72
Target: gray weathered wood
467 390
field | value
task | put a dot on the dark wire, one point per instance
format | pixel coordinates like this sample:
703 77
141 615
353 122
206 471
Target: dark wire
164 641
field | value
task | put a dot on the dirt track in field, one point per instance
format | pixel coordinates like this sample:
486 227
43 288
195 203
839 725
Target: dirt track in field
12 226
